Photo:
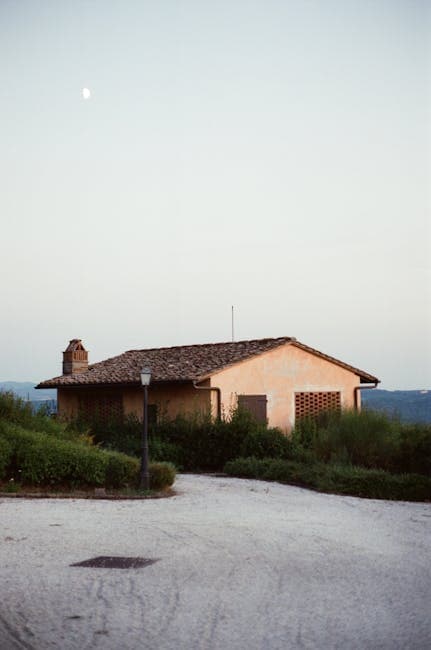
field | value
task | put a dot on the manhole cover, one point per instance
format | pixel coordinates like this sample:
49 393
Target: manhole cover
112 562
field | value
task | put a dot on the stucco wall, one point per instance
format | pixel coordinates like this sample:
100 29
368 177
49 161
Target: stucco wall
67 403
171 399
279 374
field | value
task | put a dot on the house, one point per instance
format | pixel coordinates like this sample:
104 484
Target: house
278 379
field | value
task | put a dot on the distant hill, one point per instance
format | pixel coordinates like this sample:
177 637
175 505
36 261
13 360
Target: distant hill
408 405
26 390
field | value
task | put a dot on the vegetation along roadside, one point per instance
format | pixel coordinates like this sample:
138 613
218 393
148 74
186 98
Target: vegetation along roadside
37 451
367 454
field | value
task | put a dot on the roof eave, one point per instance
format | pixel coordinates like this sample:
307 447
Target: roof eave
112 384
368 379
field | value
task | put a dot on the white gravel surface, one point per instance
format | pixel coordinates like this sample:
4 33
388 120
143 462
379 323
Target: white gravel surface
242 564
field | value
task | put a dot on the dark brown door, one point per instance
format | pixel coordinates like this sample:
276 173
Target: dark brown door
256 404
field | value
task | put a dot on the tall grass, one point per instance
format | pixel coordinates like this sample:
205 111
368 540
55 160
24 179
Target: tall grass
368 439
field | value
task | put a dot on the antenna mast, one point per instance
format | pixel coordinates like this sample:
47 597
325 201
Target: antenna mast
233 336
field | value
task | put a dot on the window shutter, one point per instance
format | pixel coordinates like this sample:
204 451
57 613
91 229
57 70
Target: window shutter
255 404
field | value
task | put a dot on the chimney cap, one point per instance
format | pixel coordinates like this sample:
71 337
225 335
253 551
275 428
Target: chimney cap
75 344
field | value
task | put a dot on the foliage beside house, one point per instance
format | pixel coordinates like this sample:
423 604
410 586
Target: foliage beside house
35 450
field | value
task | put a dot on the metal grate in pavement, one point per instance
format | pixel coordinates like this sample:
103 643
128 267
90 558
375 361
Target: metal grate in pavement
115 562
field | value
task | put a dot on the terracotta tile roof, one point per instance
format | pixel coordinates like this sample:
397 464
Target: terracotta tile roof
182 363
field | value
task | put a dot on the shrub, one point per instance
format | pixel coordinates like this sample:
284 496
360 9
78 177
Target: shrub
123 436
162 475
121 470
57 462
15 410
305 432
266 443
161 450
126 437
198 442
247 467
376 484
366 438
369 439
192 442
39 459
414 449
207 444
195 435
341 479
5 457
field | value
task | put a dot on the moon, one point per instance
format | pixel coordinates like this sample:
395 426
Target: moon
86 93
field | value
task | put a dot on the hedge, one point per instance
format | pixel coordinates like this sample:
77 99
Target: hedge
338 479
39 459
33 458
162 475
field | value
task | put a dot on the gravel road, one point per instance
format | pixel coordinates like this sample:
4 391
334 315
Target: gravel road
241 565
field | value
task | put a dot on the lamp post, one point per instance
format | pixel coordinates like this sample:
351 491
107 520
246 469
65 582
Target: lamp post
145 475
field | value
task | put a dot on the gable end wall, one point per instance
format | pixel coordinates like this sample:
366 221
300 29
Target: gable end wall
279 374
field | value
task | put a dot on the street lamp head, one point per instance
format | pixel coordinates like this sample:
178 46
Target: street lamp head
145 376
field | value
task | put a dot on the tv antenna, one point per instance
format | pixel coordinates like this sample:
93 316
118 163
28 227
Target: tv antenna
233 331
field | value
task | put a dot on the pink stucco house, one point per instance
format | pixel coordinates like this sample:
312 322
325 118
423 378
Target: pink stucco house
278 379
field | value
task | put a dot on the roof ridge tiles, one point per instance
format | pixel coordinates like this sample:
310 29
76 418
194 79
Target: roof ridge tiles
218 343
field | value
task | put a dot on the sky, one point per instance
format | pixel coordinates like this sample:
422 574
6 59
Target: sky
272 155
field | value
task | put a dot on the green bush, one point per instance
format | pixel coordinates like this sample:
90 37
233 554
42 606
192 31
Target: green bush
364 438
198 442
5 457
266 443
161 450
204 443
39 459
15 410
123 436
194 435
339 479
162 475
57 462
18 437
376 484
192 442
368 438
121 469
413 453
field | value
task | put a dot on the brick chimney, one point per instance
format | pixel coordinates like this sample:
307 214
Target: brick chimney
75 358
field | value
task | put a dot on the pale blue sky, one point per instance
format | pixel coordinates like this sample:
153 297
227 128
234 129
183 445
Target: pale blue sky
270 155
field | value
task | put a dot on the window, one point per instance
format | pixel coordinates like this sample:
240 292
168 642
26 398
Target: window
312 404
255 404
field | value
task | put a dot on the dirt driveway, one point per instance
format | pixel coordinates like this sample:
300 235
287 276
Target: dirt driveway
240 565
